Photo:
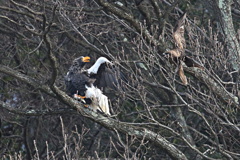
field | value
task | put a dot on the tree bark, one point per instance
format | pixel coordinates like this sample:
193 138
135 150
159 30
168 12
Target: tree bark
215 86
223 11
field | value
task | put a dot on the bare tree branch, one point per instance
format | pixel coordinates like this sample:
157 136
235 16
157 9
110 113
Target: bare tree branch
216 87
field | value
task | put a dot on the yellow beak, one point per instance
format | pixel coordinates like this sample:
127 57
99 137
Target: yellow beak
86 59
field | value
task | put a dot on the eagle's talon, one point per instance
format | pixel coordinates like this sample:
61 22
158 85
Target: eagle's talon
78 96
82 100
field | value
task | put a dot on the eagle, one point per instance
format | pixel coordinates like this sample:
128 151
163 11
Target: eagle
177 55
75 78
87 84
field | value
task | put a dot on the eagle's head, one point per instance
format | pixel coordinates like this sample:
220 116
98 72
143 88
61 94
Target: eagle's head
81 61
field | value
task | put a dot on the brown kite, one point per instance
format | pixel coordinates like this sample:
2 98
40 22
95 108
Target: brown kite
178 53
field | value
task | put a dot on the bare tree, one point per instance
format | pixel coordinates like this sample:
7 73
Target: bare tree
155 115
224 12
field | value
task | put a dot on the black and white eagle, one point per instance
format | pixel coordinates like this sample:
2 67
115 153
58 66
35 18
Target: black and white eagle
85 84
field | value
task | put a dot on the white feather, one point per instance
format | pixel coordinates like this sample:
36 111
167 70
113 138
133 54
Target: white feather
99 100
97 64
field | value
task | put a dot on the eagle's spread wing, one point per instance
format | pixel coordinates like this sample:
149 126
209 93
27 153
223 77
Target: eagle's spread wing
109 76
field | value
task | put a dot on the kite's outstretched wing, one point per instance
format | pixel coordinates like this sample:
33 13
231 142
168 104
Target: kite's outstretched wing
178 33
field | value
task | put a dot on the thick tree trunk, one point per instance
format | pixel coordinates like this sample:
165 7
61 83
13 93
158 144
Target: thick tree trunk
223 11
